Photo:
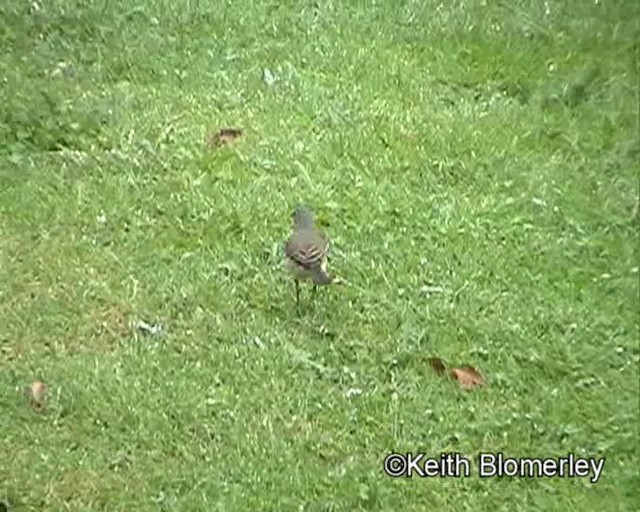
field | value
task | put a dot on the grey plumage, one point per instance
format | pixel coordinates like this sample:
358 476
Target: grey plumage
306 251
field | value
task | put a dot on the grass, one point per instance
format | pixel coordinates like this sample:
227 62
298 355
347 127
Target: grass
486 148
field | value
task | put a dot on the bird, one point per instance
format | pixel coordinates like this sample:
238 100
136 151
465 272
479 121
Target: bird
306 251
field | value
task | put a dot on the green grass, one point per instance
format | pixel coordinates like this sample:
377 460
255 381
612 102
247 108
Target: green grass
488 148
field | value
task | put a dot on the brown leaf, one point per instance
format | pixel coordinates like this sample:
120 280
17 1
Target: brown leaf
468 377
36 394
438 365
224 136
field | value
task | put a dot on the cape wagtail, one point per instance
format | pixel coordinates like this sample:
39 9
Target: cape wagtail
306 251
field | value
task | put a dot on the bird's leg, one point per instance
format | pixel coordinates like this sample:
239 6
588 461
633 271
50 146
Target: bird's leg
297 295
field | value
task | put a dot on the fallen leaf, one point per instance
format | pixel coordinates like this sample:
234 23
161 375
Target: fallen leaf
353 392
36 394
149 329
224 136
438 365
468 377
429 289
267 77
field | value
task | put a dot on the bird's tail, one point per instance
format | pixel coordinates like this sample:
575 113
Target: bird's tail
321 278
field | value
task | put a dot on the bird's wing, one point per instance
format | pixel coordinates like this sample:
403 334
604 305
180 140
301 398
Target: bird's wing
307 249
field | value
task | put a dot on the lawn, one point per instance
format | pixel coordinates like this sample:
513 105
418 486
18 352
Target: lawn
475 164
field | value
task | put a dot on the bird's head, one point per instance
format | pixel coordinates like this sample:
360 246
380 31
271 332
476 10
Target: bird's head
302 217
